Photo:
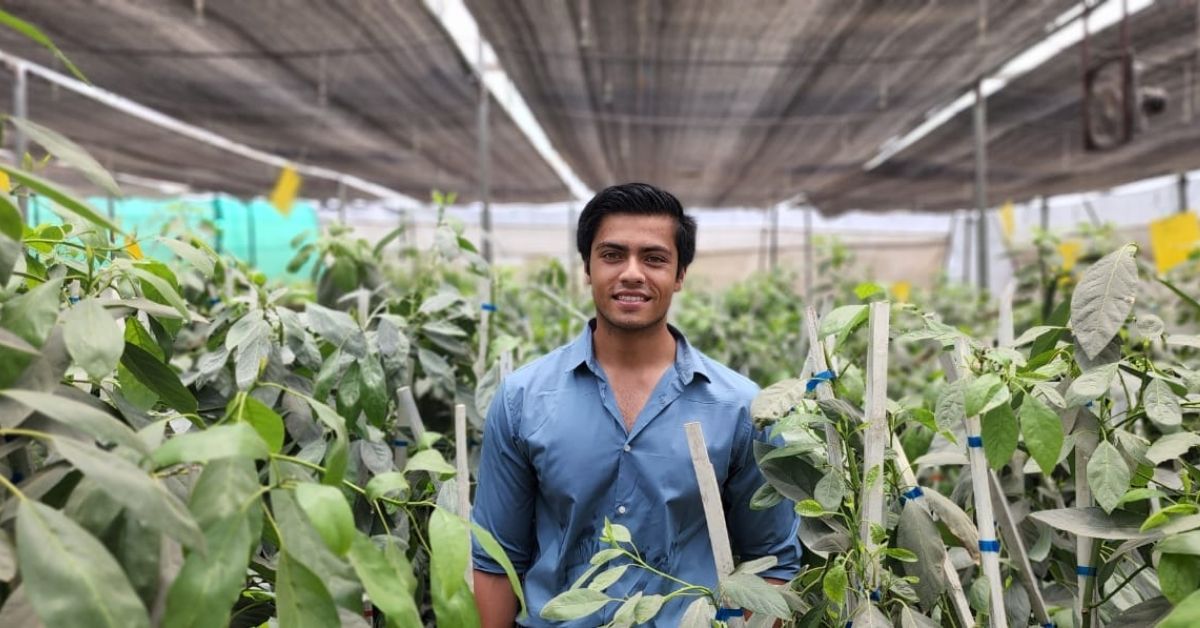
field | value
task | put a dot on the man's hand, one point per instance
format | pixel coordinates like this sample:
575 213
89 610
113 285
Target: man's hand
495 599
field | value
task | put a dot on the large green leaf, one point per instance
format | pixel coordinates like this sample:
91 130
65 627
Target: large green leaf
1162 404
373 390
200 260
951 407
1186 613
337 328
1179 576
69 577
388 579
453 603
1172 446
430 460
158 377
301 599
264 420
32 315
842 321
63 199
984 393
93 338
574 604
338 454
209 583
166 291
776 400
1103 299
751 592
1043 432
35 35
1108 476
493 549
237 440
130 486
835 583
68 152
1000 434
328 513
1091 385
919 534
101 425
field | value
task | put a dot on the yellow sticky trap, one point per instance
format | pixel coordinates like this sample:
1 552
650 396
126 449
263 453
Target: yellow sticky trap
1008 220
1069 250
5 182
134 249
901 290
1172 239
286 188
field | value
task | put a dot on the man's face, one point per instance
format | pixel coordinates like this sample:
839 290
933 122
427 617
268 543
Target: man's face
633 264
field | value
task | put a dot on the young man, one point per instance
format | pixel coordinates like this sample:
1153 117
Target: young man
594 430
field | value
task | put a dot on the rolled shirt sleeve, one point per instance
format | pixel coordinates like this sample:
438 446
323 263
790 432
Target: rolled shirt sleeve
758 533
505 491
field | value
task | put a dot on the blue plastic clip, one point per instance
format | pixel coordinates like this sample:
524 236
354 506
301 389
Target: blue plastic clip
913 493
824 376
728 613
488 307
399 443
214 300
73 300
989 545
875 597
974 441
1084 570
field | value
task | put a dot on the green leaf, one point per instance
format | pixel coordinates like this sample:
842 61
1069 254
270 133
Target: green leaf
164 289
439 302
983 394
647 607
1033 333
301 599
1162 404
1172 446
1178 575
68 152
209 583
237 440
776 400
69 577
1103 299
430 460
453 603
130 486
373 389
31 32
328 513
607 577
158 377
830 491
835 583
1000 434
93 338
337 328
1043 432
96 423
32 315
626 613
699 614
842 321
810 508
338 454
264 420
900 554
1186 613
384 483
867 290
757 566
387 577
951 408
199 260
919 534
492 547
1185 543
1091 385
574 604
1108 476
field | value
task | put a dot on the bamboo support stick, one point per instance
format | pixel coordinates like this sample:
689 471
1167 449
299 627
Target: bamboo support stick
876 437
833 440
1086 441
462 477
985 521
714 511
485 310
958 596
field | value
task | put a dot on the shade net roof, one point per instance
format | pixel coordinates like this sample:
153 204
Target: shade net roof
372 88
1035 129
751 102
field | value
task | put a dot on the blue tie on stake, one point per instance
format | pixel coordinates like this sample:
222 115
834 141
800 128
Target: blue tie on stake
728 613
823 376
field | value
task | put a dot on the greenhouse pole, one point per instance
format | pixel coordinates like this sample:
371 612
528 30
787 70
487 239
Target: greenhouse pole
341 196
20 142
485 162
1183 192
774 251
981 181
809 269
251 236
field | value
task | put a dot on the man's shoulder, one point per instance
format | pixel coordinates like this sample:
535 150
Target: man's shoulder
728 381
540 373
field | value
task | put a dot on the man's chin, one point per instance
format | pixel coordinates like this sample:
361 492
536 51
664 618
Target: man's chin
631 323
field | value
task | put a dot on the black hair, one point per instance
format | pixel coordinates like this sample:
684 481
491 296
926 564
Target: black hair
640 199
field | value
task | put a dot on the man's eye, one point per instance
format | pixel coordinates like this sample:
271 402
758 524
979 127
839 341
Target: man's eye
656 260
610 255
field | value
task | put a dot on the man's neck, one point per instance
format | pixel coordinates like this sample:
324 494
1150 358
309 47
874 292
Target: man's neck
653 347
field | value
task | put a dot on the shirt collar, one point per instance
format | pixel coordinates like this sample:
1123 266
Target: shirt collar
688 360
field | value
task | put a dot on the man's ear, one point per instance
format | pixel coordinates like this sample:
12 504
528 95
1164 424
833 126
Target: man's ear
679 280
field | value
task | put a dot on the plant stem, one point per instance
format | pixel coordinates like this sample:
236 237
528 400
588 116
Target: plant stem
12 487
1125 582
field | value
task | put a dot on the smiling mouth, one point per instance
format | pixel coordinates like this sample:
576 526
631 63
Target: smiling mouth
631 298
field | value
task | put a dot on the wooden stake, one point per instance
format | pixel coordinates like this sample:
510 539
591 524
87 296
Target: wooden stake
816 353
1004 330
1086 441
714 511
1016 550
462 476
985 521
485 311
876 436
409 413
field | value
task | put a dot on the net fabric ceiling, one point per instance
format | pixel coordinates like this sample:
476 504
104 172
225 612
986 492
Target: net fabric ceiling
744 103
1035 138
373 88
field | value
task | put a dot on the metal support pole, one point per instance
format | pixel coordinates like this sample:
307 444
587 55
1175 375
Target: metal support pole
1183 192
485 161
251 237
774 251
810 271
217 216
341 196
20 142
573 258
1045 213
968 230
981 181
112 215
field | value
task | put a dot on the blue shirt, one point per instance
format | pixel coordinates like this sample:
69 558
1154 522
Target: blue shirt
557 460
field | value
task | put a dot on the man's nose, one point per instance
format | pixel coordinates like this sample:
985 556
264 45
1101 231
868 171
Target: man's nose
633 272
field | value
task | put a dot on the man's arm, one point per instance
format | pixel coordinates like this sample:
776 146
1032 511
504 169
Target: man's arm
504 498
495 599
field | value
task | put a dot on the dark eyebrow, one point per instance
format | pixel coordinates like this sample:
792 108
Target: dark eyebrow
625 248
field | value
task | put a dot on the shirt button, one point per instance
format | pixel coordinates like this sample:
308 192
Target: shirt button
627 448
621 510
